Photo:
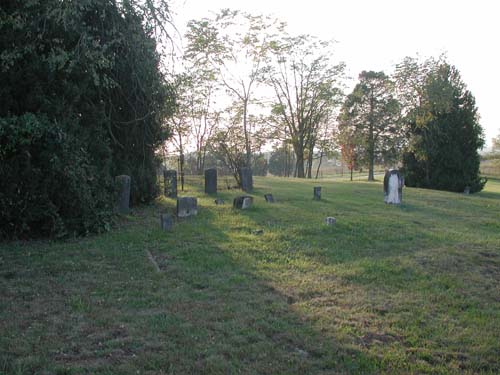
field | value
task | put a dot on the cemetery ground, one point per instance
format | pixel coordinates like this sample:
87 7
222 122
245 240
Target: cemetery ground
269 290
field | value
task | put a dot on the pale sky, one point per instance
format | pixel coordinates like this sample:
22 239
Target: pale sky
374 35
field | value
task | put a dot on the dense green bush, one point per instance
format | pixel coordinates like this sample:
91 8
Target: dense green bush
48 185
82 99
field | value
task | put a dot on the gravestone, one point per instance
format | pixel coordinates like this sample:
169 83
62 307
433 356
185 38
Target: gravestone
243 202
269 198
211 181
219 201
393 187
122 184
170 180
166 221
330 220
467 190
246 179
317 193
187 206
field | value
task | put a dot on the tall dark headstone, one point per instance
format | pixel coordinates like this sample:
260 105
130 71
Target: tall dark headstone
211 181
393 187
317 193
246 179
187 206
122 183
170 181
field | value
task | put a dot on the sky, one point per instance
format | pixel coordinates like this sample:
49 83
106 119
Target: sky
375 35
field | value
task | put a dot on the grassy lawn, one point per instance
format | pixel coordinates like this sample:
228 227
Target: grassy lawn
271 290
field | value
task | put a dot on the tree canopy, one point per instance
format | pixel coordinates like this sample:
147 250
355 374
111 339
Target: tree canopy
82 100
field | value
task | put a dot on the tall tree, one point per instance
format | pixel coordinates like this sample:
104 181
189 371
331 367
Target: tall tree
371 112
82 99
445 135
232 43
307 86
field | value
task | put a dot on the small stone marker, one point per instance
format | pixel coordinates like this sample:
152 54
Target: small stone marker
330 220
246 179
243 202
467 190
170 181
219 201
166 222
211 181
317 193
187 206
393 187
122 183
269 198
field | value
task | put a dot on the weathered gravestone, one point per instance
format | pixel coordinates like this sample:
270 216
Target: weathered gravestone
317 193
219 201
187 206
243 202
166 221
170 181
122 184
269 198
393 187
211 181
246 179
330 220
467 190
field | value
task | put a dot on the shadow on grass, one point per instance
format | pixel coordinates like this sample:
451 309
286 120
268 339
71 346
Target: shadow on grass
98 306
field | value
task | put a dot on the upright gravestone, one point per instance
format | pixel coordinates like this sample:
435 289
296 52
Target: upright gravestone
123 193
269 198
187 206
317 193
166 221
246 179
393 187
170 181
243 202
211 181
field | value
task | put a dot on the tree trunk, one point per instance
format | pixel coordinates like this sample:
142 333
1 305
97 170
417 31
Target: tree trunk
371 153
309 164
247 139
319 164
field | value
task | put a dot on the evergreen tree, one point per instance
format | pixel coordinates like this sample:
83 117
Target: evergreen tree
445 135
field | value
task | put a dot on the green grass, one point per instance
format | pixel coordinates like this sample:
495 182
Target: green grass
389 289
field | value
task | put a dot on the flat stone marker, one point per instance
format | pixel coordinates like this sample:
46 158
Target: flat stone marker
211 181
317 193
219 201
330 220
166 222
243 202
393 187
246 179
187 206
170 181
122 184
269 198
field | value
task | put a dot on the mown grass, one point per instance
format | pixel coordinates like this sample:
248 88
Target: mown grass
271 290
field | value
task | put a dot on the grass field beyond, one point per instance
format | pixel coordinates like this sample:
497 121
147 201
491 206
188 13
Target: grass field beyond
270 290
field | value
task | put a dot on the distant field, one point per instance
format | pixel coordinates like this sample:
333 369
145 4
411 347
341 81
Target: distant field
271 290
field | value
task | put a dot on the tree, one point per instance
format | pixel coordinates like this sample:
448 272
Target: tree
445 135
307 86
281 161
82 99
233 44
371 113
